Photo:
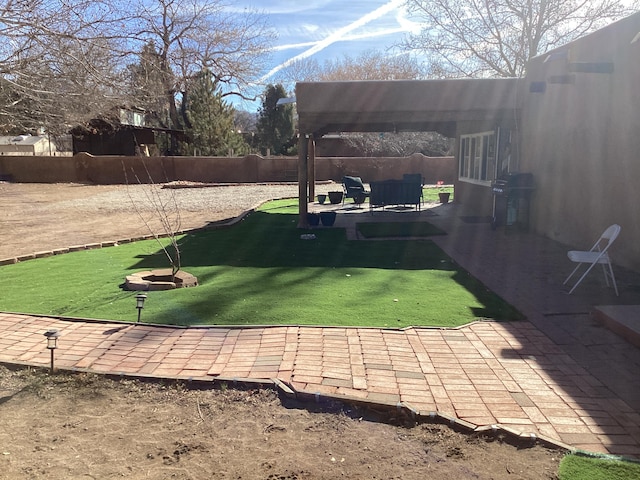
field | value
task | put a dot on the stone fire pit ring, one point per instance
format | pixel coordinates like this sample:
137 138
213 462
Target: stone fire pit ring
159 279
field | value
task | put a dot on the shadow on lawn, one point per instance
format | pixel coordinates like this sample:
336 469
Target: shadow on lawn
273 242
268 240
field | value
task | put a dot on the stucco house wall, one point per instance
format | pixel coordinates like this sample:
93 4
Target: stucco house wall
581 139
578 132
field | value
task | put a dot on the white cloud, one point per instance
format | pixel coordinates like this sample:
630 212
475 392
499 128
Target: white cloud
311 28
380 32
407 25
293 46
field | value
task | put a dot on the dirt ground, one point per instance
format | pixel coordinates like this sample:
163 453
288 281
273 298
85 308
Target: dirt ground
84 426
36 217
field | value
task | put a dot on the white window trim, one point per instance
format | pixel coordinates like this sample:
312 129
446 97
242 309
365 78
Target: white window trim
476 136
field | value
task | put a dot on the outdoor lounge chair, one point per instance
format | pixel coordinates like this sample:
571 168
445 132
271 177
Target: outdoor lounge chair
597 254
354 188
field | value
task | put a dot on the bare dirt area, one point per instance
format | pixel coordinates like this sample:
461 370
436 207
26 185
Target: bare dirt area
36 217
85 426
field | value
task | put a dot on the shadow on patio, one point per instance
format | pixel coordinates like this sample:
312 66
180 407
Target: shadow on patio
594 369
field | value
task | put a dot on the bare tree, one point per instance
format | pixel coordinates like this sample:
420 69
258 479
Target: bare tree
246 121
164 220
55 63
401 144
63 60
189 36
370 65
480 38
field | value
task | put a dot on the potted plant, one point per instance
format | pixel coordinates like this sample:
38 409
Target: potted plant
359 198
335 197
442 195
328 218
313 219
322 198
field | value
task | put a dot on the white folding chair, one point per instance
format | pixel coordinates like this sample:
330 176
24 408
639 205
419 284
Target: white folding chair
597 254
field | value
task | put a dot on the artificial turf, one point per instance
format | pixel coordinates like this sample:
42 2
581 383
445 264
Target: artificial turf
261 272
578 467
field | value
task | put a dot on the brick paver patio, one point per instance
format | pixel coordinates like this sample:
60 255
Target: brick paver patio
486 373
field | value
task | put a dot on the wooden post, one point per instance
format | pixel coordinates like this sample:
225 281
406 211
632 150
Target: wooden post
303 180
312 169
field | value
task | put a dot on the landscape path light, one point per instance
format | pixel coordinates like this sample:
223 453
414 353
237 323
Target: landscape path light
140 298
52 342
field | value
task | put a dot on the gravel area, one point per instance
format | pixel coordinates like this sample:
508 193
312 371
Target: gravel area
232 198
40 217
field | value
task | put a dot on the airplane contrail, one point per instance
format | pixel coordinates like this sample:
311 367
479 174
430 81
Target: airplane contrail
337 36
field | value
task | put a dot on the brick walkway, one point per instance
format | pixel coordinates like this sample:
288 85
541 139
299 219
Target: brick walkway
559 375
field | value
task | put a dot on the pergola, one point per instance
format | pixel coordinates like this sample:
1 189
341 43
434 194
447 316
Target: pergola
393 106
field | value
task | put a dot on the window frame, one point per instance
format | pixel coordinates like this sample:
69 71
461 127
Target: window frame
477 158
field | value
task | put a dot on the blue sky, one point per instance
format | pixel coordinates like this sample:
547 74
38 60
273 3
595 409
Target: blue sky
327 29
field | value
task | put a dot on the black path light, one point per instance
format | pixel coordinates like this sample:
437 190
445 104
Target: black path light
140 298
52 342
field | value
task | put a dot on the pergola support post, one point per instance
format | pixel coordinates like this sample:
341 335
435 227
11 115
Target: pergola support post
311 166
303 181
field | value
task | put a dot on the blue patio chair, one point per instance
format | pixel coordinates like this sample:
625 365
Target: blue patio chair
354 188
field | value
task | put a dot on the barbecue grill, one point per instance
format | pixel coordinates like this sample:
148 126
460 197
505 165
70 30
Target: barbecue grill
511 200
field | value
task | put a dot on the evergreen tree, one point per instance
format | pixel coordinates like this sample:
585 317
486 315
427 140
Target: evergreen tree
275 122
146 80
190 35
210 119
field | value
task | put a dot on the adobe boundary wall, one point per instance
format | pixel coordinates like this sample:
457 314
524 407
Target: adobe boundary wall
108 170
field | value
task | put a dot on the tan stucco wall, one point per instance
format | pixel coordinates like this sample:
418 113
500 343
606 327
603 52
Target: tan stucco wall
38 169
250 169
582 143
473 200
432 169
111 169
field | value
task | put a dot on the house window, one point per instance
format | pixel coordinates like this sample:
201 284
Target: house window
477 158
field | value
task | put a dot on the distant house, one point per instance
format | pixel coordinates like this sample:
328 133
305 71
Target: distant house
27 145
100 137
124 133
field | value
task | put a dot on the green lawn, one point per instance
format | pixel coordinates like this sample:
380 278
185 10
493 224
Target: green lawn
577 467
430 194
261 272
